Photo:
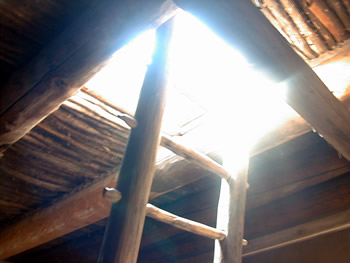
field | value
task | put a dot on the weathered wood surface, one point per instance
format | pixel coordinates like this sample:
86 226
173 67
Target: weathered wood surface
183 223
324 200
326 208
327 17
124 228
241 24
284 161
289 28
27 26
332 247
308 35
71 59
282 171
164 243
306 30
196 157
230 216
299 233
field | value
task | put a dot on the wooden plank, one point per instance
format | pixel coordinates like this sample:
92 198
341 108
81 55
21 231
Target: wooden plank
299 233
230 217
184 224
71 59
241 24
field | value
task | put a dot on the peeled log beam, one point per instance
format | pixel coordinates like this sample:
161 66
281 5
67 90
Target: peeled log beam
183 223
305 29
298 233
320 28
290 28
124 227
195 157
230 216
241 24
71 59
328 18
84 208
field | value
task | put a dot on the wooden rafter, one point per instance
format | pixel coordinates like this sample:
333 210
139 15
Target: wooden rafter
241 24
299 233
71 60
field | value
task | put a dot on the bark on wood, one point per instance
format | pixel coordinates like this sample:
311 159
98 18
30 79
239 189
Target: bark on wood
71 59
299 233
184 224
266 49
125 224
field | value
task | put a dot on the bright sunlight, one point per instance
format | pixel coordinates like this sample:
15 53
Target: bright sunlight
207 78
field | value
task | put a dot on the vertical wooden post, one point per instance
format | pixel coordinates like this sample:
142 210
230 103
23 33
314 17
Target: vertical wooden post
125 224
230 216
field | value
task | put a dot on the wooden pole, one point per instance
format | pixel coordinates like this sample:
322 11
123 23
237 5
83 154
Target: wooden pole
194 156
124 227
230 216
71 59
184 224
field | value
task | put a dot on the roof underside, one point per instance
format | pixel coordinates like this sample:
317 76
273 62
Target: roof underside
294 180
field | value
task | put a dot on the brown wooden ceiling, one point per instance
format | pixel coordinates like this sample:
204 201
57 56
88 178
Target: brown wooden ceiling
74 146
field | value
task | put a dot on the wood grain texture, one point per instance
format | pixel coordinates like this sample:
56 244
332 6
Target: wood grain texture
71 59
328 18
230 217
241 24
124 228
183 223
299 233
313 39
333 247
196 157
26 27
289 28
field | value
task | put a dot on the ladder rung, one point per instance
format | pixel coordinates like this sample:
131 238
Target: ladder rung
183 223
113 195
196 157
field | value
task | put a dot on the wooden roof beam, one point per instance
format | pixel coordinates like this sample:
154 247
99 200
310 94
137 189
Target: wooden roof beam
85 207
299 233
71 59
242 25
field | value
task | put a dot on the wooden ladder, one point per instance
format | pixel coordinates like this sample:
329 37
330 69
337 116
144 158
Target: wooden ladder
125 224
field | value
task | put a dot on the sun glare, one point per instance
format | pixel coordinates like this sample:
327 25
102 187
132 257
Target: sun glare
208 77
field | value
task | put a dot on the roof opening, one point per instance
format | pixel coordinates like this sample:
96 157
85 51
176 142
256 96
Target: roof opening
209 80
